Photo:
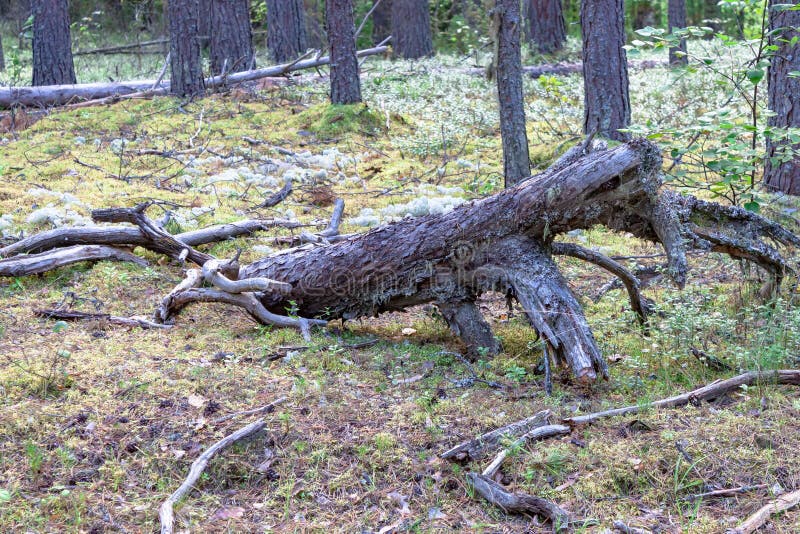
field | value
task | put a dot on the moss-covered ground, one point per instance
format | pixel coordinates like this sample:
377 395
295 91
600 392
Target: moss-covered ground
100 423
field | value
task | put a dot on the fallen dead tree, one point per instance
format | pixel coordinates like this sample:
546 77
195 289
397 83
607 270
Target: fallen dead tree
58 95
502 243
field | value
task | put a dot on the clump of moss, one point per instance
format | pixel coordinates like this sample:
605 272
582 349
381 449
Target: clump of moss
332 120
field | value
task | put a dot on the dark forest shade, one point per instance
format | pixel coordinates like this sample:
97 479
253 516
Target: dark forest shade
545 25
411 29
186 71
508 22
784 101
381 21
231 36
605 69
2 57
52 48
286 29
204 22
345 83
676 15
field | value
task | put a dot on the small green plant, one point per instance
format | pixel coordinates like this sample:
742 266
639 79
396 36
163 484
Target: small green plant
35 457
516 373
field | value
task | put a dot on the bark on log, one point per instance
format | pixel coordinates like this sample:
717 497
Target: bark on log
56 95
501 243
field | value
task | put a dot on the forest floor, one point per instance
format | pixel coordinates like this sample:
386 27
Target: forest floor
100 423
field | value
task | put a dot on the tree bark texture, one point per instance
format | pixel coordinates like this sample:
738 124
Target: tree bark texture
345 82
2 57
52 48
286 29
204 24
545 24
231 37
501 243
507 24
605 69
676 15
411 29
186 70
382 21
782 168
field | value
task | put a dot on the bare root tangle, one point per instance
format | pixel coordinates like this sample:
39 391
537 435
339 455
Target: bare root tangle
639 303
166 511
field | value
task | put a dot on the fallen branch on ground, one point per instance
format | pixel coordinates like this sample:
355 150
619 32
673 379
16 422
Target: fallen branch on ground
757 520
535 434
69 315
57 95
264 409
519 503
166 510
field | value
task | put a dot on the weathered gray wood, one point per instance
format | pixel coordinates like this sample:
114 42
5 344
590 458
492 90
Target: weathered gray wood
476 448
519 503
56 95
26 265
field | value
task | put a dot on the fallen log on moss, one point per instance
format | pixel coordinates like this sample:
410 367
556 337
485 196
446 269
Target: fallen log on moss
58 95
501 243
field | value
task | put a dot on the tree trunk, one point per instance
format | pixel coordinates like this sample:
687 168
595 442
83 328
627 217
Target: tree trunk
502 243
411 29
545 24
382 21
52 49
676 14
204 24
605 69
186 71
345 82
286 29
782 168
2 57
231 37
507 24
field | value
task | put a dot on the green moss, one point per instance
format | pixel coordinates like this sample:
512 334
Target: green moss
331 120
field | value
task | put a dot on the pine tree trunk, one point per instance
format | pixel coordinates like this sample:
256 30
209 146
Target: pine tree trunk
605 69
345 83
782 169
231 37
545 23
507 21
676 14
52 49
185 67
382 21
411 29
2 57
286 29
204 22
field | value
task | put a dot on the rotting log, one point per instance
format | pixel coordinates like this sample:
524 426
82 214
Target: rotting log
57 95
502 243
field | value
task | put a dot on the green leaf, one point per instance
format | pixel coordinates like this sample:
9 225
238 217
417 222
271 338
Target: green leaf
755 75
5 495
752 206
60 326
